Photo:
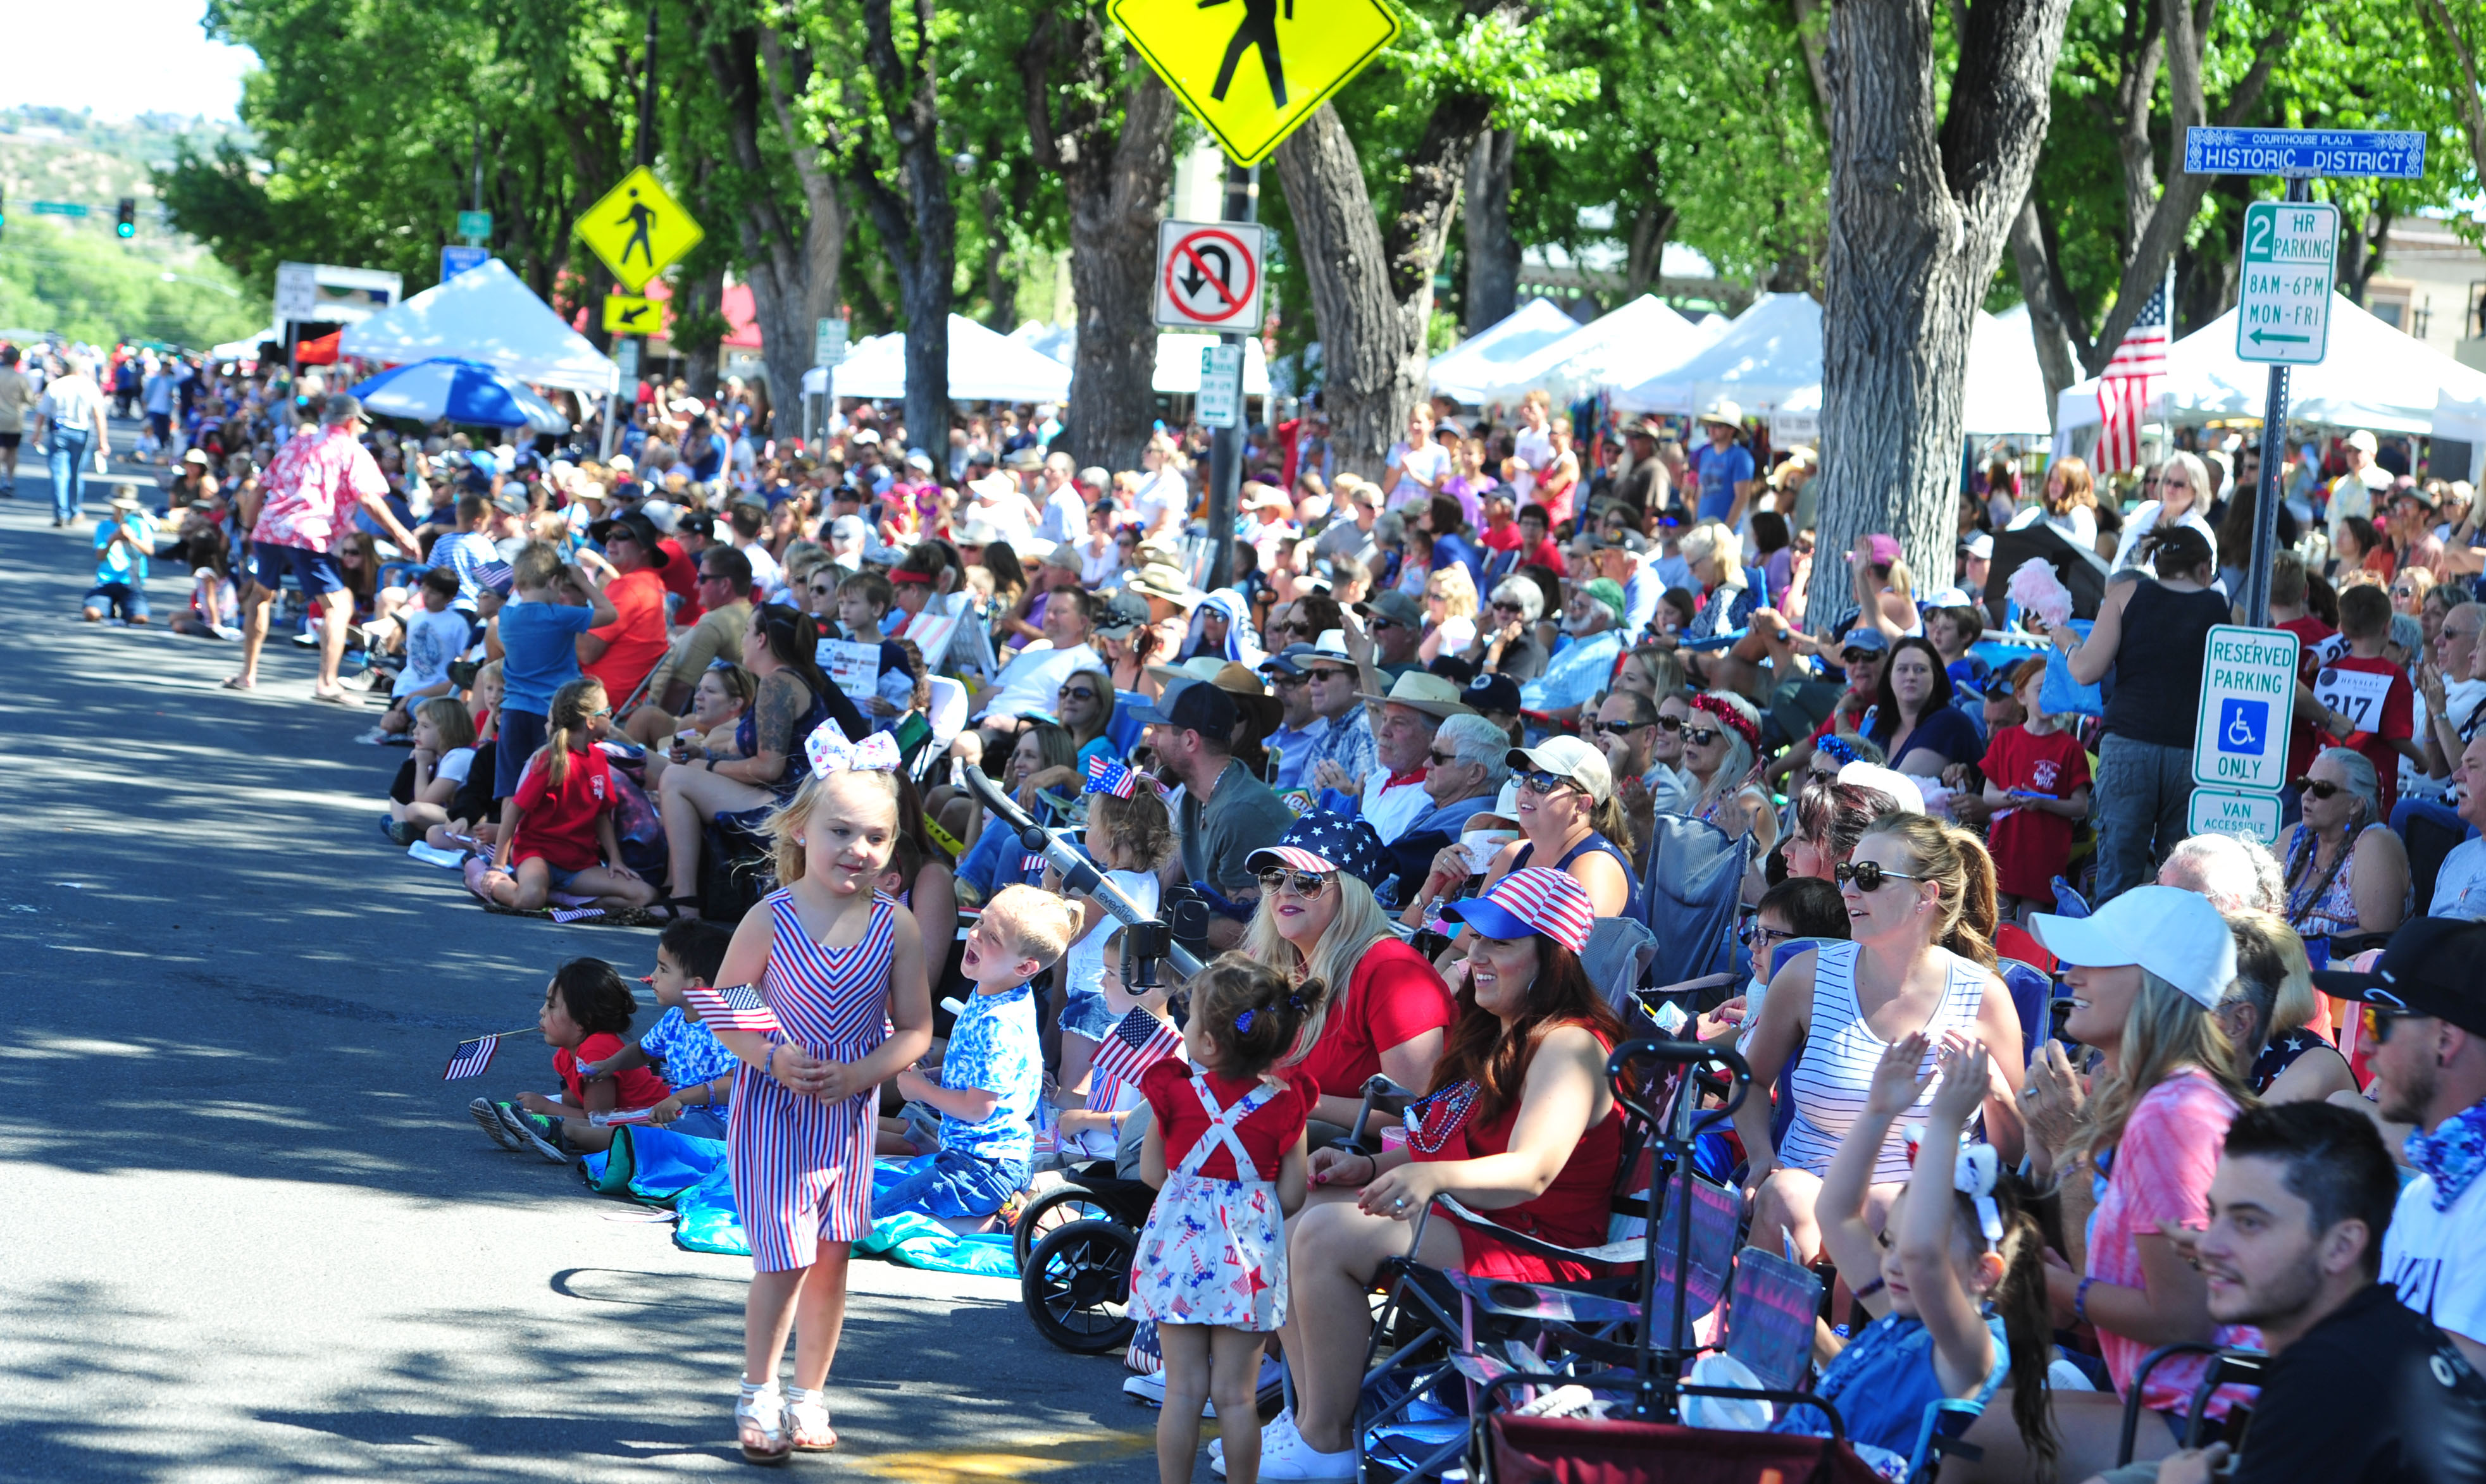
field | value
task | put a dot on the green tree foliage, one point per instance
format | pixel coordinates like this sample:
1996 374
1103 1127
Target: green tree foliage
86 286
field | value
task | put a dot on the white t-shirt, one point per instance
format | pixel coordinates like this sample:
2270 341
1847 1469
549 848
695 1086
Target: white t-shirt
2353 494
2432 1258
2460 887
1066 517
454 765
764 570
1087 956
1533 448
1431 462
1033 681
1456 635
431 640
1159 494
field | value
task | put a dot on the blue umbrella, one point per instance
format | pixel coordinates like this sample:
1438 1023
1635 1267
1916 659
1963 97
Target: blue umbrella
460 391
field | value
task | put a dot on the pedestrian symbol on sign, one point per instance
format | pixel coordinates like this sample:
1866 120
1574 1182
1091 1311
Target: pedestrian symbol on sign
2242 725
1259 29
637 219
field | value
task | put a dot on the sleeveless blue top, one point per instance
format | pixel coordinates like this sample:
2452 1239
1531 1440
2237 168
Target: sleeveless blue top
1631 877
1882 1383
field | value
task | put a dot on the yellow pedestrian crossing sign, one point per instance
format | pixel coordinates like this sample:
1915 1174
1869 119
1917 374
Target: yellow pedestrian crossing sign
626 314
639 230
1300 52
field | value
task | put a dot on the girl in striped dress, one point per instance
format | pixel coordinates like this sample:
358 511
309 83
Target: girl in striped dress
841 968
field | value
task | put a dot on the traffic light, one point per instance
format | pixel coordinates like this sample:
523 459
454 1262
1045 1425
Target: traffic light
125 223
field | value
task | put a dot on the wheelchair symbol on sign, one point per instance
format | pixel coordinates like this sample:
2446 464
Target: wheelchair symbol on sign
2243 725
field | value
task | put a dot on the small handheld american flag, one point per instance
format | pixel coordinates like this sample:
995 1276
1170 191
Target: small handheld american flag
1136 1043
471 1057
1106 775
731 1008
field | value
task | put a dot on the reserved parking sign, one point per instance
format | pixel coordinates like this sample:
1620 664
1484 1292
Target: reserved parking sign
2248 698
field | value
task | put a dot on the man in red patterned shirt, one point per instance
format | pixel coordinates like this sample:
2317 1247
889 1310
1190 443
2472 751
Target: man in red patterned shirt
311 487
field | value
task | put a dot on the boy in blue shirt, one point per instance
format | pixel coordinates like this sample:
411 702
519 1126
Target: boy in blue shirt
539 629
123 543
992 1070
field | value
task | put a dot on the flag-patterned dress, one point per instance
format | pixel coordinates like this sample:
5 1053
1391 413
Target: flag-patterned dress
802 1166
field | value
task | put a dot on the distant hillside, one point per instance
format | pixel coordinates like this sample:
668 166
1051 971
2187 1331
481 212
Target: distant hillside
70 274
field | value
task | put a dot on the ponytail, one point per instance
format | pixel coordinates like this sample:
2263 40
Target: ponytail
2027 1321
571 707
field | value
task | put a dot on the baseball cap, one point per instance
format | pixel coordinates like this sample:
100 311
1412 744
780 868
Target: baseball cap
1606 590
1326 841
866 439
1496 694
1901 788
1624 541
1979 546
1122 613
1396 607
2428 967
1192 705
1290 661
2362 439
1571 757
919 460
2174 934
1534 899
1866 636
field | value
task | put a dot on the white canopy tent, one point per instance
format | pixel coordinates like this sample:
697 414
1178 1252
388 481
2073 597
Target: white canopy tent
1634 342
983 367
247 347
1769 361
2375 376
1177 370
485 314
1053 342
1466 368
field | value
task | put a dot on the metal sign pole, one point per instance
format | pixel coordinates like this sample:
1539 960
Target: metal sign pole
2273 444
1226 448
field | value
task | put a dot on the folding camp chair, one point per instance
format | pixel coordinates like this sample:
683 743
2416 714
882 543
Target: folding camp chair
1691 877
2227 1366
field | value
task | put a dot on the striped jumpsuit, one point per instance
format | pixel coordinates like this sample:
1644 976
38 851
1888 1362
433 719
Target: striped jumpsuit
802 1166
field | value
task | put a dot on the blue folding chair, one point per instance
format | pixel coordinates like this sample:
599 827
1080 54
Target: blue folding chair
2033 995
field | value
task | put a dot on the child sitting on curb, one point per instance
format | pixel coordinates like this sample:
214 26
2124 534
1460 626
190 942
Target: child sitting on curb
992 1070
586 1009
689 1054
1140 1033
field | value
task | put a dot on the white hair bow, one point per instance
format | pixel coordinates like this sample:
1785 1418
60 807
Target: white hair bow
1974 1176
830 753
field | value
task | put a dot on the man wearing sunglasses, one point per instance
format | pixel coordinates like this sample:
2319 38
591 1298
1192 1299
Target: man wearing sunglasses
1628 729
2424 1017
1302 727
1397 628
1593 619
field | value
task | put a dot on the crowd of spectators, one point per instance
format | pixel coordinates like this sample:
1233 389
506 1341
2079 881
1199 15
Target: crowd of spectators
1508 658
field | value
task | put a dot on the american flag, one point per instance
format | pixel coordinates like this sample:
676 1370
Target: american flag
1106 775
731 1008
2129 383
1139 1042
471 1057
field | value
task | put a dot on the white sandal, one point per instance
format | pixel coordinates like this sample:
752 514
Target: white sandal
759 1419
807 1420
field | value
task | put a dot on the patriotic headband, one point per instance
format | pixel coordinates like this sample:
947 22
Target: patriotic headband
1836 746
1106 775
1734 719
830 753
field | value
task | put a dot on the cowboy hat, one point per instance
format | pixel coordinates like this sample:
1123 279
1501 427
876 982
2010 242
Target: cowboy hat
1420 691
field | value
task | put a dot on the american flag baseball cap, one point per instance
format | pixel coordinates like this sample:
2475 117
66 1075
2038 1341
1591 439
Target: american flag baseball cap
1539 900
1326 841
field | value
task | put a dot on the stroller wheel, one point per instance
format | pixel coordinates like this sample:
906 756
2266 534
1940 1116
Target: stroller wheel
1049 1213
1076 1283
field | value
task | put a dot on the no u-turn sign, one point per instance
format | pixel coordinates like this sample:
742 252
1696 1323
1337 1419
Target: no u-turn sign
1209 276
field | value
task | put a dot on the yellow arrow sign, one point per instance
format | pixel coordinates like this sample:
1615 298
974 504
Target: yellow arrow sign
639 230
628 313
1252 70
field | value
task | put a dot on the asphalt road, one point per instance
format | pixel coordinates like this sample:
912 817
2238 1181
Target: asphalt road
250 1234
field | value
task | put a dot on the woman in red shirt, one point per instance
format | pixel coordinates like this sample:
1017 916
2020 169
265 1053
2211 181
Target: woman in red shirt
1520 1123
1317 920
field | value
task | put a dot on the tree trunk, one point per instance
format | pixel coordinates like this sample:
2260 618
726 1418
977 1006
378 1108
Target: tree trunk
1001 290
1492 252
2037 270
2465 99
701 299
919 229
1115 173
1645 261
1372 295
1922 203
2360 256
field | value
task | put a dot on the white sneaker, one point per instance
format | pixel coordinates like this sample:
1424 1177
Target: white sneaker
1296 1459
1275 1433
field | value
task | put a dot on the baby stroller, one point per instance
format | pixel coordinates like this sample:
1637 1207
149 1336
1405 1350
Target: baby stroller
1477 1373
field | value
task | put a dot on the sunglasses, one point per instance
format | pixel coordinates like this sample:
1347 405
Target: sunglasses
1287 682
1544 784
1442 759
1305 883
1868 875
1859 656
1508 608
1700 736
1378 625
2375 1022
2318 788
1329 675
1753 935
1083 693
1294 628
822 589
1668 723
1621 728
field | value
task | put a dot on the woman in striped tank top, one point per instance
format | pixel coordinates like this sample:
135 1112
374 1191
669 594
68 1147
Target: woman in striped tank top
1921 902
840 967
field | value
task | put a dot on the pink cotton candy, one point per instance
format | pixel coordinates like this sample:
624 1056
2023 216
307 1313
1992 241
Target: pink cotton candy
2039 590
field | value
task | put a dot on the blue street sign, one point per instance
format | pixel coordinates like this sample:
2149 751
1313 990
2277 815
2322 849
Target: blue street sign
2398 155
455 261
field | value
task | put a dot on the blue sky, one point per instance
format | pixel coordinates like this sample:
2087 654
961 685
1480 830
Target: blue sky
144 55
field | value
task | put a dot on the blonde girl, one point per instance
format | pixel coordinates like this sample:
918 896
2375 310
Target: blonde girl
838 969
1449 613
1130 840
